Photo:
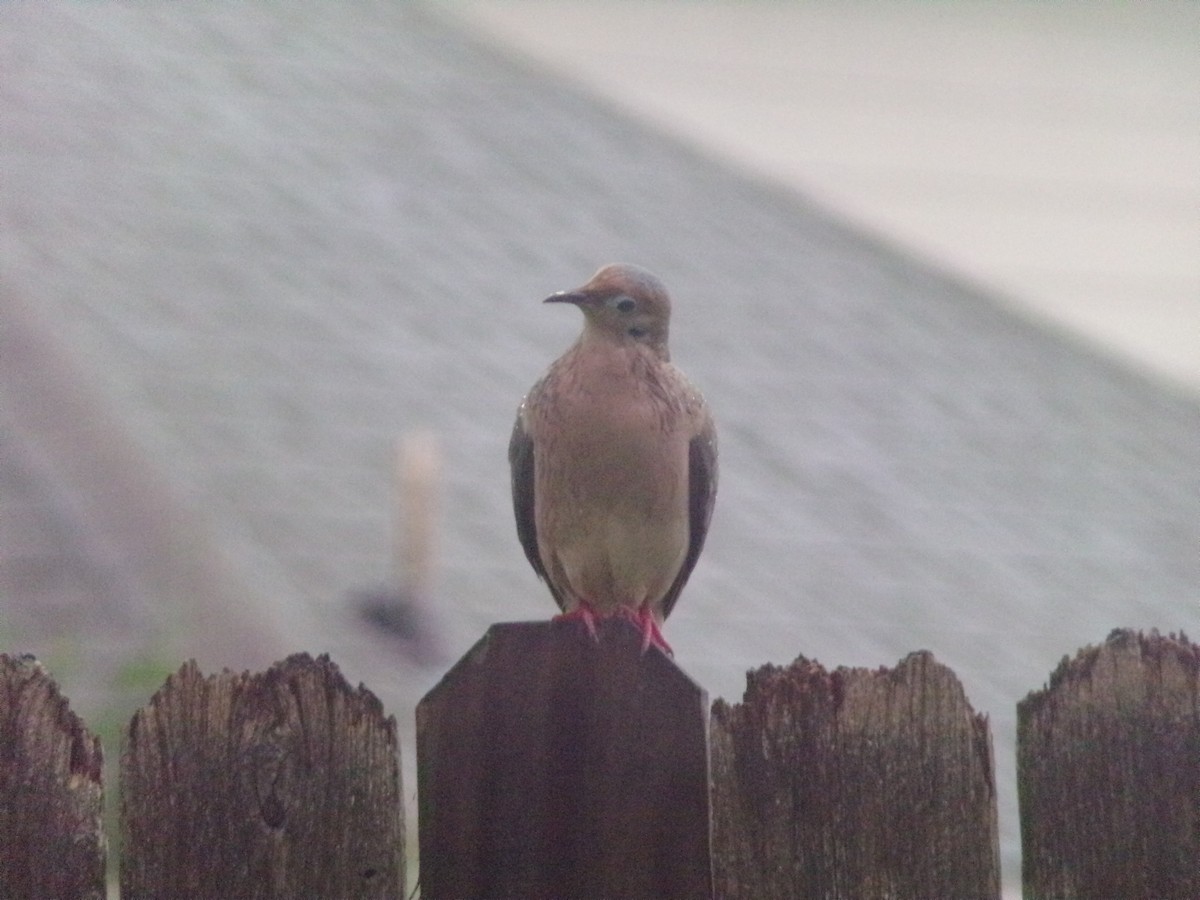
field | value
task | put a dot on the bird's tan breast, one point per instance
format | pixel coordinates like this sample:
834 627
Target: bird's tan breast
608 424
611 434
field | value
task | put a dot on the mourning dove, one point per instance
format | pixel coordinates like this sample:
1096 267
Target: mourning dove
614 461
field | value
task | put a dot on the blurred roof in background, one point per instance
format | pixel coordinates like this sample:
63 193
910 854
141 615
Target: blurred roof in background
243 249
1048 151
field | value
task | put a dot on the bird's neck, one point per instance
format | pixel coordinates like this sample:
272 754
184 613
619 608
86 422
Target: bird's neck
603 340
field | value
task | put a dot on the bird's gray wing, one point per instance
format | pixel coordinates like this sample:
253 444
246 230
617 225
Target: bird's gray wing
702 496
520 461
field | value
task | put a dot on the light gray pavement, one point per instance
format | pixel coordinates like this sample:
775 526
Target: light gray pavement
251 245
1048 151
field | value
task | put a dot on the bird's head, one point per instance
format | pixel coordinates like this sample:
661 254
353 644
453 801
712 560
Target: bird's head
623 303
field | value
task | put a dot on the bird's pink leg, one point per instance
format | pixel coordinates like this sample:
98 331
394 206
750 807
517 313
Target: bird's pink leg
652 635
581 613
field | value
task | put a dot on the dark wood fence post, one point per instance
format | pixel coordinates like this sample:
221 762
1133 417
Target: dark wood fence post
279 784
854 783
1108 772
51 790
550 765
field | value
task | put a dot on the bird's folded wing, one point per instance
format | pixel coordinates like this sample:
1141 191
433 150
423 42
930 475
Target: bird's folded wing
702 496
520 459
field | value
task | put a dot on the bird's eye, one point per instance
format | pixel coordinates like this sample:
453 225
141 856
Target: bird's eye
636 332
625 305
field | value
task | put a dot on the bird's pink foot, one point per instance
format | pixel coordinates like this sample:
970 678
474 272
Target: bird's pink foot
582 613
652 635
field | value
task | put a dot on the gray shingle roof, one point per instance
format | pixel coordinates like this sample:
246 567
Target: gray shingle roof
269 240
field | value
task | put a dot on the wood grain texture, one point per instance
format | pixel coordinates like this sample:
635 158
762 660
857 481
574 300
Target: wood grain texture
550 765
853 783
278 784
1108 769
51 790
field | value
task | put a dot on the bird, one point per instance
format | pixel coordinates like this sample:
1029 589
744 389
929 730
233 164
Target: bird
613 458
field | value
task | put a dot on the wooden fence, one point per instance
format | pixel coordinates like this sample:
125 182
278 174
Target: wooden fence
551 766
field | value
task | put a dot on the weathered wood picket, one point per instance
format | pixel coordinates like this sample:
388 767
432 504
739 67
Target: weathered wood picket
51 790
553 766
281 784
854 783
1108 769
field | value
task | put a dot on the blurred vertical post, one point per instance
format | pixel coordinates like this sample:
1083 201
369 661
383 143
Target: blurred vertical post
415 513
401 607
